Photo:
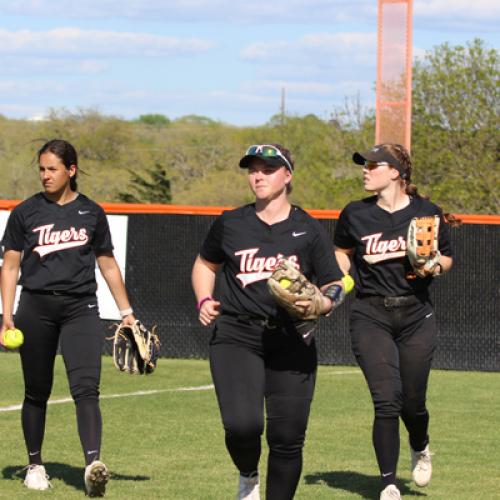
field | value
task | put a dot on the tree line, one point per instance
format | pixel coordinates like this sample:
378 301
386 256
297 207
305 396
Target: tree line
194 160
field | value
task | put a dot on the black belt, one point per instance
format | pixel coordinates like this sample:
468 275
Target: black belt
271 323
66 293
394 302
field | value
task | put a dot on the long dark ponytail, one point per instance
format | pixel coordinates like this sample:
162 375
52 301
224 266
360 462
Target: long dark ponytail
401 154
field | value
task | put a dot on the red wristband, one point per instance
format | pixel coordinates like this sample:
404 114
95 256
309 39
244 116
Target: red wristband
202 301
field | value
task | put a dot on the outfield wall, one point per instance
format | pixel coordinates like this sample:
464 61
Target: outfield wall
163 243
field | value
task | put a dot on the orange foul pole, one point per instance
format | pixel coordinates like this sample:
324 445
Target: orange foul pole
394 72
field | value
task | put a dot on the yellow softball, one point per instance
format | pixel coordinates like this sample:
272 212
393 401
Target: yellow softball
13 338
348 283
285 283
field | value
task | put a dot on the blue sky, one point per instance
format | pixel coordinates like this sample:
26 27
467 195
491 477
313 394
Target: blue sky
227 60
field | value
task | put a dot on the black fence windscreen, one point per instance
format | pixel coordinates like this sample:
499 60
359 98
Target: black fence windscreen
161 250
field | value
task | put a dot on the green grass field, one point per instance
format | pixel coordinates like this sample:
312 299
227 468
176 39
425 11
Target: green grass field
169 445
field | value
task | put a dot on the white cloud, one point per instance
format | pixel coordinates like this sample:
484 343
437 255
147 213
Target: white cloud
467 18
458 9
317 70
326 49
95 43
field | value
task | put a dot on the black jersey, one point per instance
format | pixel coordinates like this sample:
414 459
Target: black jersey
378 238
59 243
249 249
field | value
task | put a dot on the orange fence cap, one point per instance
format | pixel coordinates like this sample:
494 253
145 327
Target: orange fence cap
158 208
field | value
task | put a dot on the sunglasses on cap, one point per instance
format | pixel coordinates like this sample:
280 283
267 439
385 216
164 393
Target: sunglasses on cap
268 151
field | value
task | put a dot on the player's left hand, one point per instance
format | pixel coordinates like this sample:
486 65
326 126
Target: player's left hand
128 320
135 348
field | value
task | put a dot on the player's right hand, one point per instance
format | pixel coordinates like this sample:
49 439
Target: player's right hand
6 325
208 312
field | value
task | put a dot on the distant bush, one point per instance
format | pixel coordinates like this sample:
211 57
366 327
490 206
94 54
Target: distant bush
156 120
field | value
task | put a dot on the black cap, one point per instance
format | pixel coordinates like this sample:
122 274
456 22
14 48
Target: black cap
275 157
275 161
379 154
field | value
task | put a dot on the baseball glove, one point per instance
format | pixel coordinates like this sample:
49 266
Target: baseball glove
288 285
422 245
135 348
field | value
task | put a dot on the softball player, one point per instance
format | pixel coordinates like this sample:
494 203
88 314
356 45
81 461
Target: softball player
393 328
55 237
257 355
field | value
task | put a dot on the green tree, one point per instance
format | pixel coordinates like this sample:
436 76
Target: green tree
197 120
325 176
456 119
156 189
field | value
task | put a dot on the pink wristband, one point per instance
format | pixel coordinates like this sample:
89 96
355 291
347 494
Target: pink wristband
202 301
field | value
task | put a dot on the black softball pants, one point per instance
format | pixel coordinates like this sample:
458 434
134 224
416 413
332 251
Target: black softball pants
252 366
73 322
394 347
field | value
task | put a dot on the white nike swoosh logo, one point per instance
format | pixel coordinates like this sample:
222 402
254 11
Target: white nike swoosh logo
83 212
33 453
91 306
294 234
91 451
428 315
388 474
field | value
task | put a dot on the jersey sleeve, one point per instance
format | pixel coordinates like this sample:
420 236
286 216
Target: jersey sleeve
324 262
102 242
211 248
13 238
444 242
342 238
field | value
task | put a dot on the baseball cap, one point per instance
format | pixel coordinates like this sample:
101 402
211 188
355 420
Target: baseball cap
268 153
379 154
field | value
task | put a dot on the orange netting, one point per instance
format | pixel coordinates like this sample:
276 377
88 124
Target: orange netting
393 106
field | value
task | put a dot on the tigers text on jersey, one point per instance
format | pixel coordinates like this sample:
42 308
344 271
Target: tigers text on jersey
249 249
378 238
59 243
